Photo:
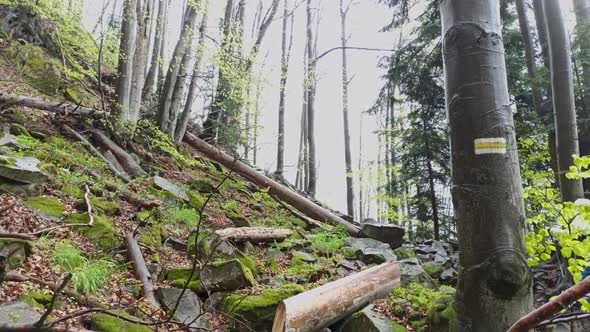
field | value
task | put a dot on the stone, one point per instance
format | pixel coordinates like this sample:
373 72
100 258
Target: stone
369 251
367 320
348 265
171 188
257 310
370 221
102 233
189 308
304 256
404 252
49 208
449 276
441 259
249 248
217 276
388 233
108 323
18 313
412 272
20 189
342 272
433 269
10 141
439 247
22 170
13 252
202 186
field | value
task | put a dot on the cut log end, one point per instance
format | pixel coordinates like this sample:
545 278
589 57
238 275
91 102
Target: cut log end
280 318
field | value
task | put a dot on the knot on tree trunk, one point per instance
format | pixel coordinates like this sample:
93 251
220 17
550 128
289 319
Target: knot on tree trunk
509 274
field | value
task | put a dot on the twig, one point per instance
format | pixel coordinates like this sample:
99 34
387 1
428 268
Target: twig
87 199
7 207
564 319
20 236
308 221
58 291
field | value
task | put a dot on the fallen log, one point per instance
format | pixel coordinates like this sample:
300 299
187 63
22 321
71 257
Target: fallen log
141 272
129 164
325 305
253 234
38 103
552 307
301 203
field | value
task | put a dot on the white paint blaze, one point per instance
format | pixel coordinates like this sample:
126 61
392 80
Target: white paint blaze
490 145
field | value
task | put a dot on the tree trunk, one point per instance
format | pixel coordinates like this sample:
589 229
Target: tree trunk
582 10
161 65
178 60
322 306
139 60
361 170
129 164
299 202
530 55
494 288
285 56
182 124
126 52
563 100
152 75
310 80
254 234
141 272
345 82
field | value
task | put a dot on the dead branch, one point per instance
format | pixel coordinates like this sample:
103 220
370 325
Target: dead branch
7 207
141 272
129 164
89 205
58 291
564 319
7 100
28 237
551 308
253 234
307 220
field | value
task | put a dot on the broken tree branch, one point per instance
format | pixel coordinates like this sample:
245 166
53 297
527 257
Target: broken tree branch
129 164
253 234
7 207
305 219
297 201
551 308
38 103
58 291
327 304
17 236
89 205
141 272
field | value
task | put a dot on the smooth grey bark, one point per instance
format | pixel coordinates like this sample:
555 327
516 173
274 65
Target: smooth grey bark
310 83
529 54
566 128
582 10
360 171
192 92
345 82
162 58
177 63
139 60
494 288
285 57
126 52
152 75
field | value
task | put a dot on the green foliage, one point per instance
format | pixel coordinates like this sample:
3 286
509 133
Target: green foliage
181 216
49 206
328 242
37 68
88 275
302 269
108 323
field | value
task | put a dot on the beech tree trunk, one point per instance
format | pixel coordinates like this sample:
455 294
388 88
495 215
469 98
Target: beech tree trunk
310 82
141 272
530 55
322 306
299 202
126 53
494 288
152 75
562 83
582 10
347 154
129 164
254 234
139 60
161 65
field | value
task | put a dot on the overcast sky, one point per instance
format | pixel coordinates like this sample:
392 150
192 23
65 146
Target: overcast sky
365 21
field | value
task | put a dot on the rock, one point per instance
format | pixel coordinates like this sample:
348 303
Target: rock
387 233
10 141
441 259
306 257
449 276
212 248
18 313
404 252
433 269
108 323
171 188
258 310
348 265
49 208
189 308
202 186
367 320
218 276
22 170
369 251
102 233
249 248
275 254
13 252
370 221
20 189
412 272
114 161
342 272
439 247
238 219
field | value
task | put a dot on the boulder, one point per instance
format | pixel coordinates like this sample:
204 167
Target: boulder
102 233
367 320
18 313
412 272
367 250
449 276
433 269
304 256
257 310
10 141
108 323
171 188
49 208
23 170
217 276
189 308
12 253
388 233
404 252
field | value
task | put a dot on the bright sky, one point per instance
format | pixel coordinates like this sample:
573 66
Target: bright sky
365 21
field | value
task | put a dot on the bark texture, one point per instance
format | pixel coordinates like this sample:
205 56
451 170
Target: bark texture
152 75
310 94
530 55
139 267
254 234
494 288
347 154
562 84
126 52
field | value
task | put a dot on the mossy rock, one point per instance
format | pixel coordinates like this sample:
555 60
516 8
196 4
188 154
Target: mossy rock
219 276
38 300
434 270
440 314
259 310
36 67
211 247
151 236
79 97
15 252
47 207
107 323
100 205
195 200
238 219
181 273
403 253
202 185
102 233
72 191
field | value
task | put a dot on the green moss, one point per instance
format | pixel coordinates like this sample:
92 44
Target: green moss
37 299
202 185
238 219
259 310
104 206
48 206
349 253
246 261
107 323
72 191
137 291
79 97
102 232
195 200
397 327
151 235
403 253
433 270
181 273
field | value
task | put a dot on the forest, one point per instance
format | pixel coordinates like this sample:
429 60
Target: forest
295 165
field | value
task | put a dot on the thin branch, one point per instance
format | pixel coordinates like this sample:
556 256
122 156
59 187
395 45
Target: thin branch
89 205
352 48
58 291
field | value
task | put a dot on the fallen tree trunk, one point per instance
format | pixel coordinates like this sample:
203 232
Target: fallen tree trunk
325 305
553 307
38 103
254 234
129 164
299 202
141 272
